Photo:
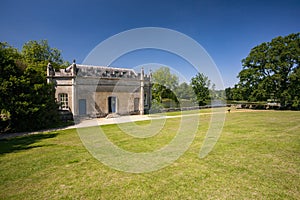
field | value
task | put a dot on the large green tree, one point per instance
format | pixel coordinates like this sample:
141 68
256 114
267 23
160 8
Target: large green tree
26 102
200 84
271 70
37 54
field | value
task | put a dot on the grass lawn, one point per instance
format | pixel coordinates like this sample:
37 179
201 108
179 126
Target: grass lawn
256 157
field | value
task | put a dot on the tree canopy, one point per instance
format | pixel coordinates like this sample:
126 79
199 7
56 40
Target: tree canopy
185 91
200 84
40 51
164 84
27 102
270 71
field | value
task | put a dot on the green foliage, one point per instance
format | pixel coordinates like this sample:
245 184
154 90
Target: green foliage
296 103
9 61
164 85
156 107
234 93
168 93
200 84
216 94
294 89
39 53
164 77
25 95
185 91
229 93
271 70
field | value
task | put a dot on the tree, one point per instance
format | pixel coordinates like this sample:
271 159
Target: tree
294 89
38 53
185 91
269 70
164 85
26 102
9 61
229 93
200 84
8 70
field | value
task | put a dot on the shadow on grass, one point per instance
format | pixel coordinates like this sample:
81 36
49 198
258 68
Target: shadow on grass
23 143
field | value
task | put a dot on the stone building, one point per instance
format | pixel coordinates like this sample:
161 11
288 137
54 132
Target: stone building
97 91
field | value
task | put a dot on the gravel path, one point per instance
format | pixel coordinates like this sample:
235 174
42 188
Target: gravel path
85 123
116 120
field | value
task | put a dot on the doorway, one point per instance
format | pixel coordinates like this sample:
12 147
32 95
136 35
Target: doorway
112 104
82 106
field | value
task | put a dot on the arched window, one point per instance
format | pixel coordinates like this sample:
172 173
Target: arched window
63 101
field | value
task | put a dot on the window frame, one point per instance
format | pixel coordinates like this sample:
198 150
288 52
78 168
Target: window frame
63 99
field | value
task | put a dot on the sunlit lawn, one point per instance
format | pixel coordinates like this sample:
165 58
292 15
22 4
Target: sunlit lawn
256 157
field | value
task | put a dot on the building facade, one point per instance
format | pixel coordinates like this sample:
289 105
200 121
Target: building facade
97 91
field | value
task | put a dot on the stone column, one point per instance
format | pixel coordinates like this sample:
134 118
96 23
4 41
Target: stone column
142 92
74 91
150 90
74 98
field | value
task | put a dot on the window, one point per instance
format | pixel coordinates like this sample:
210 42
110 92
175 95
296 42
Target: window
63 100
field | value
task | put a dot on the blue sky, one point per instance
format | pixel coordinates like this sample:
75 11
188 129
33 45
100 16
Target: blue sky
227 30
